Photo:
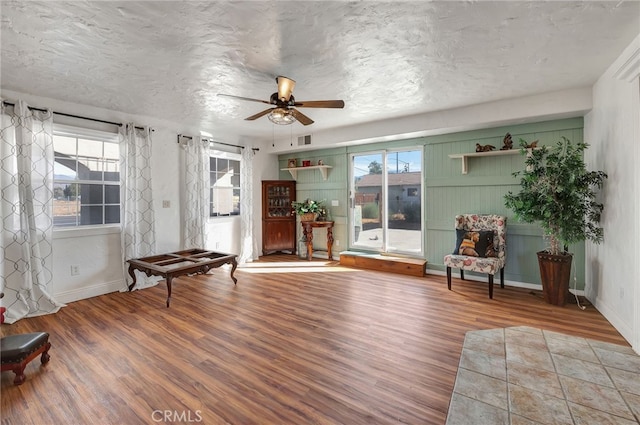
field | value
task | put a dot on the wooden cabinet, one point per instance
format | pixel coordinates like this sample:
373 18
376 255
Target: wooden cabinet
278 218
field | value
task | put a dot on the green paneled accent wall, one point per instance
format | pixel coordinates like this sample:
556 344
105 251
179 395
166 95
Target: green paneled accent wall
310 184
448 192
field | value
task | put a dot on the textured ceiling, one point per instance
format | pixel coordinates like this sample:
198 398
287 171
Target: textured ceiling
170 59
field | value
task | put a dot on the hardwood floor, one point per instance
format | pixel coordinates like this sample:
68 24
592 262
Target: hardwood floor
295 342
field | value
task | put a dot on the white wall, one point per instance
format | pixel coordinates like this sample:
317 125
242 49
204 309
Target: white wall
96 253
612 129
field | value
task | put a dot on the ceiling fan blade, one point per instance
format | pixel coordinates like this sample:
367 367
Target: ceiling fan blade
305 120
320 104
258 115
243 98
285 87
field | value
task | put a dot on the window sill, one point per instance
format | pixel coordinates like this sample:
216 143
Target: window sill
222 218
85 231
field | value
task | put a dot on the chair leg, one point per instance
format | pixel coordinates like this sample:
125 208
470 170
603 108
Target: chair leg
461 274
19 371
449 278
44 359
491 286
502 278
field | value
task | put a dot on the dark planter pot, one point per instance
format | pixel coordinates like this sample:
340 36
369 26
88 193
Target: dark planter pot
555 273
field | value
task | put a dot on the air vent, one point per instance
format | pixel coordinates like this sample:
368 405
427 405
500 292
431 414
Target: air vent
304 140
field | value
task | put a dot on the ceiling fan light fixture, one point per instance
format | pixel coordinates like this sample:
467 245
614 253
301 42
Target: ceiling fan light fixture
281 116
285 88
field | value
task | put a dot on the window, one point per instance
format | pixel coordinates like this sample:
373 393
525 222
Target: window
225 183
412 192
86 180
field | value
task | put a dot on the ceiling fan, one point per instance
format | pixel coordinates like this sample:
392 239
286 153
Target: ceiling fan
284 113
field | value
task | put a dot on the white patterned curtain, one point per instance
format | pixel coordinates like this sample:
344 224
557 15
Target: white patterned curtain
249 244
197 182
26 207
138 236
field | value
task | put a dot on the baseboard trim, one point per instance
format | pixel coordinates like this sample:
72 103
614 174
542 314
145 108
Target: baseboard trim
88 291
612 316
514 283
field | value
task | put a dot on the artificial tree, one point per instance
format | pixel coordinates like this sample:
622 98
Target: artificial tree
558 192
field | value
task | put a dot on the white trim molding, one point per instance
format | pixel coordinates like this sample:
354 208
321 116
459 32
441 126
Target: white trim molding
630 69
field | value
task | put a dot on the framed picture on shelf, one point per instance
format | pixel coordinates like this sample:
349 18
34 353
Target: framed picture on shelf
293 163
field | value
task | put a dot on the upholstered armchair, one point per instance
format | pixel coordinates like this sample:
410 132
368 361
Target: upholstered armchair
481 246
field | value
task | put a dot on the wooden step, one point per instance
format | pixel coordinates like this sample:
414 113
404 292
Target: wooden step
384 263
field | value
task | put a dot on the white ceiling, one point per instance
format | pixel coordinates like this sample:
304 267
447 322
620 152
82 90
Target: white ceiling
170 59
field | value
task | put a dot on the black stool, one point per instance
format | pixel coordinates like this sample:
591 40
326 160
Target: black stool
18 350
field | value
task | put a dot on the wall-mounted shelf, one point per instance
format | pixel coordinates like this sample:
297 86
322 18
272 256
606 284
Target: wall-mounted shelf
464 156
294 171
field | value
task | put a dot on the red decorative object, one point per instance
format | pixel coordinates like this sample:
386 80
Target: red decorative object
2 310
306 163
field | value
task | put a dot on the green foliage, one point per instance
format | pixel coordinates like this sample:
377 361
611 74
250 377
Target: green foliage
370 210
58 192
375 168
307 206
70 190
559 193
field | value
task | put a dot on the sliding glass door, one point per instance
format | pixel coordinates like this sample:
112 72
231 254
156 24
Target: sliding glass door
366 201
385 201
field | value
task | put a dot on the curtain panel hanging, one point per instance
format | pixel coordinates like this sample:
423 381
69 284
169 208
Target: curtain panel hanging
137 217
196 199
26 207
249 244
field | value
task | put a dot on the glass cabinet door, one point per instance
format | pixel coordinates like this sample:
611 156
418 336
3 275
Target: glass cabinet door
279 199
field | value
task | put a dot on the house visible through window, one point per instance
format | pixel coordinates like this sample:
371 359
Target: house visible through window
225 183
86 181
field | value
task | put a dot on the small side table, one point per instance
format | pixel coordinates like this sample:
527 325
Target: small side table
307 229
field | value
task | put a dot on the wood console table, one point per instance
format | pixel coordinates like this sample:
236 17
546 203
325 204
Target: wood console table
180 263
307 230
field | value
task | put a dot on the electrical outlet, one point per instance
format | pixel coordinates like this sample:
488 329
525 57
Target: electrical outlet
166 204
75 270
335 203
217 245
337 242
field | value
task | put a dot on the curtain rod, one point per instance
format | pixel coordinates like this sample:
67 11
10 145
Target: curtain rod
33 108
213 141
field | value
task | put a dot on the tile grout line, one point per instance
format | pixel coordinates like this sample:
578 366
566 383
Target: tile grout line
613 381
506 374
555 369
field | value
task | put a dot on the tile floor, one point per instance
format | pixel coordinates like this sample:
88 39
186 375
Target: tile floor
528 376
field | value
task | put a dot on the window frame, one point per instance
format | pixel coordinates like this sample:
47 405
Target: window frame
229 156
385 243
77 132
